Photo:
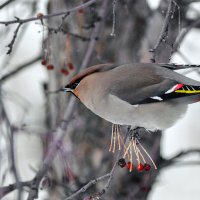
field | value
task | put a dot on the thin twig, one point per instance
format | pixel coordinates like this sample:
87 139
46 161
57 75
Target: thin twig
174 66
5 4
19 69
20 36
10 46
56 30
94 35
172 160
184 33
22 21
94 181
59 134
12 150
190 1
88 185
6 59
163 32
63 20
7 189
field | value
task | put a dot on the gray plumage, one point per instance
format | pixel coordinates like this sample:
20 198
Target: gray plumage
116 93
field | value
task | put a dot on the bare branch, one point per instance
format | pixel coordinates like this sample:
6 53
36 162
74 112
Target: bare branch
171 161
94 35
190 1
7 59
10 46
41 17
174 66
163 33
88 185
22 21
19 69
12 150
7 189
184 33
94 181
5 4
56 30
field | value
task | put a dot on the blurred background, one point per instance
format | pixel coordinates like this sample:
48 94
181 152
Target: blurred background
45 56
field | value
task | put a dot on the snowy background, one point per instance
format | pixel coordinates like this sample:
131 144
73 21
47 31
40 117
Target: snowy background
176 182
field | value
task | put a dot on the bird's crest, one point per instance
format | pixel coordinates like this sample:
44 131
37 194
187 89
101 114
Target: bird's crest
91 70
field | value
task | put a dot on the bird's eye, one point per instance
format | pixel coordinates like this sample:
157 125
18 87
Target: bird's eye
74 85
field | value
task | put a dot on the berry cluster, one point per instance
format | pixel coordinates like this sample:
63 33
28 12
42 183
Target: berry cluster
66 71
62 70
49 66
140 167
80 11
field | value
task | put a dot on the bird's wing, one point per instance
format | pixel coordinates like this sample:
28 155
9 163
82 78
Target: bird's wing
145 85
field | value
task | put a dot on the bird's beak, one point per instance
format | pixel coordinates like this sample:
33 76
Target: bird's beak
66 89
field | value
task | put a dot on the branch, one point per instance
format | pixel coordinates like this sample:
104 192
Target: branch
190 1
94 35
94 181
5 4
22 21
20 35
7 189
62 129
19 69
174 66
40 17
169 162
88 185
163 34
12 150
56 30
10 46
184 33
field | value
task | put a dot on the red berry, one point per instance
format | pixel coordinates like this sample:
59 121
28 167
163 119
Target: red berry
140 167
80 11
130 166
122 162
44 62
71 66
64 71
145 189
147 167
50 67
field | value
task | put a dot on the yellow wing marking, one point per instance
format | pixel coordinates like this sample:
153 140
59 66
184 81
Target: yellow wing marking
188 91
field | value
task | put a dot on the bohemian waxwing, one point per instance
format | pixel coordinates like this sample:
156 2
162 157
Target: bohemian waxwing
139 95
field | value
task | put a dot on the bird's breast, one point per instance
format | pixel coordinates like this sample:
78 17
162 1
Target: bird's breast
150 116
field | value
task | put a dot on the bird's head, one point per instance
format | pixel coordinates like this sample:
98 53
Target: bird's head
72 86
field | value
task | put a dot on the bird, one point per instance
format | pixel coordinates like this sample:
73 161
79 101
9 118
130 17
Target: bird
148 95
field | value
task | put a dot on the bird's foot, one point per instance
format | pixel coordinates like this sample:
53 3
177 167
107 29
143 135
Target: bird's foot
133 151
135 134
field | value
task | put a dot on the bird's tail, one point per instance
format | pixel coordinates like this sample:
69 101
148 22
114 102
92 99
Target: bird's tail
188 93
